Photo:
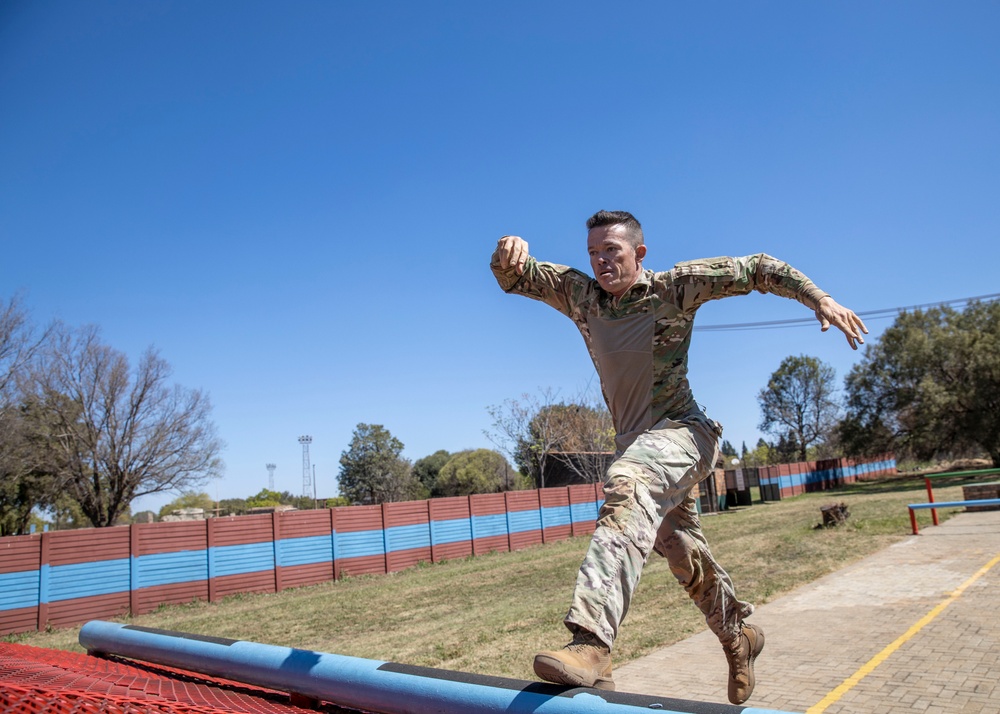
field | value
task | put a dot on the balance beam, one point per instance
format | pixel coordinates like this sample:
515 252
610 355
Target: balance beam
947 504
372 685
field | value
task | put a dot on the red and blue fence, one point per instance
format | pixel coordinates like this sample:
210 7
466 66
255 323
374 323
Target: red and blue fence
64 578
785 480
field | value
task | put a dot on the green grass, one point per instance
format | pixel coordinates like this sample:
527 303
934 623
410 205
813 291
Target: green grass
490 614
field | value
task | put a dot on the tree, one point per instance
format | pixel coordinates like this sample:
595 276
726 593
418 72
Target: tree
232 506
189 499
532 430
426 470
525 439
119 433
762 455
24 482
729 450
929 385
799 405
19 343
372 469
474 471
66 514
264 498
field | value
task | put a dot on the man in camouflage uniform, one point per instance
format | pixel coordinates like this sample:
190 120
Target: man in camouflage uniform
637 326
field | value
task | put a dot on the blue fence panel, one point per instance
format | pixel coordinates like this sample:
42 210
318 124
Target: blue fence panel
357 544
241 559
101 577
19 589
416 535
183 566
305 550
522 521
454 530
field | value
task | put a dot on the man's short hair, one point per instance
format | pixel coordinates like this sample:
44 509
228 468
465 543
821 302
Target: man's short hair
633 231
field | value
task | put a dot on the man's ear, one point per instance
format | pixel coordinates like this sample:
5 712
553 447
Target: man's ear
640 252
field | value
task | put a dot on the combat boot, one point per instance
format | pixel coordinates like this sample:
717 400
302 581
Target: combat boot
741 652
584 662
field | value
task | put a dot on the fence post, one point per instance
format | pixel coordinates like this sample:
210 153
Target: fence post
133 569
210 556
275 538
43 581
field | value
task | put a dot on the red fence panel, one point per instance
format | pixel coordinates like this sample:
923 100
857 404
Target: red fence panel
583 509
489 523
304 548
451 528
170 564
241 555
359 541
557 523
407 534
524 518
89 575
19 579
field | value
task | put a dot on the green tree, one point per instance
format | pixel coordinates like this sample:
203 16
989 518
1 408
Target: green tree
264 498
426 470
372 469
474 471
24 482
762 455
189 499
929 385
27 481
799 404
303 503
233 506
66 514
728 449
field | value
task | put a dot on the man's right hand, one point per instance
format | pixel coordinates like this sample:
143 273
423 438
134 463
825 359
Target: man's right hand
513 251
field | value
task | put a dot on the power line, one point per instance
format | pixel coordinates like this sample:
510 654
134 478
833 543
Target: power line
870 314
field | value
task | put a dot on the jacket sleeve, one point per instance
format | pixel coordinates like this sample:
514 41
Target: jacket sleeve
557 285
698 281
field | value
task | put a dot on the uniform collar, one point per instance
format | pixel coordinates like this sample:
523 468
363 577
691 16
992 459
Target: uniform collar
638 289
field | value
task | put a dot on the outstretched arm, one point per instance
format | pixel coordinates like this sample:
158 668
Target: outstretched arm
830 312
512 251
517 272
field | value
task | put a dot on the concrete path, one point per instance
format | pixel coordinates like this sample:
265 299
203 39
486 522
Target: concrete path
913 628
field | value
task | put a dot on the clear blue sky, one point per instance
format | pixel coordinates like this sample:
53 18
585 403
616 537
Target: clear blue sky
296 202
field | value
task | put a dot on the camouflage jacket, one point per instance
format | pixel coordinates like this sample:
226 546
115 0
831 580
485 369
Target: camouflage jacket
639 342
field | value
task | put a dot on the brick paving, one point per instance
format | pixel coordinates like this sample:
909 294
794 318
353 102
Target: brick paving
822 633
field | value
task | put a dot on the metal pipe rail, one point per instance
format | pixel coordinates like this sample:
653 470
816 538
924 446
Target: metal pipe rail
952 474
946 504
371 685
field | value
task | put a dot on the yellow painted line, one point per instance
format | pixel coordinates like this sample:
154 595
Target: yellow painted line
849 683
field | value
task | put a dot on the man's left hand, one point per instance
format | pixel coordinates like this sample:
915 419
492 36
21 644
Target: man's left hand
830 312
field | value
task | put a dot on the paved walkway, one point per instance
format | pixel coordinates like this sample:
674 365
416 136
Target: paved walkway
916 626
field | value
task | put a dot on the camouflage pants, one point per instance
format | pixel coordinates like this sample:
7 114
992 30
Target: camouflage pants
648 506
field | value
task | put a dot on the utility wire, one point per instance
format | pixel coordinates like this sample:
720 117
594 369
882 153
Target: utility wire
870 314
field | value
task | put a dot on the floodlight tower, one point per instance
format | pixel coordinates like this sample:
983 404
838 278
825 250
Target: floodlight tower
270 476
306 476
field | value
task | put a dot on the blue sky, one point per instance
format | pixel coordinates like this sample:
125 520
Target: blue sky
295 203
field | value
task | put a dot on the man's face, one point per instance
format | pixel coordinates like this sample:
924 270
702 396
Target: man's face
615 263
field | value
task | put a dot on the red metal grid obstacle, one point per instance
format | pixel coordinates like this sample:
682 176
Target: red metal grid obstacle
41 681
